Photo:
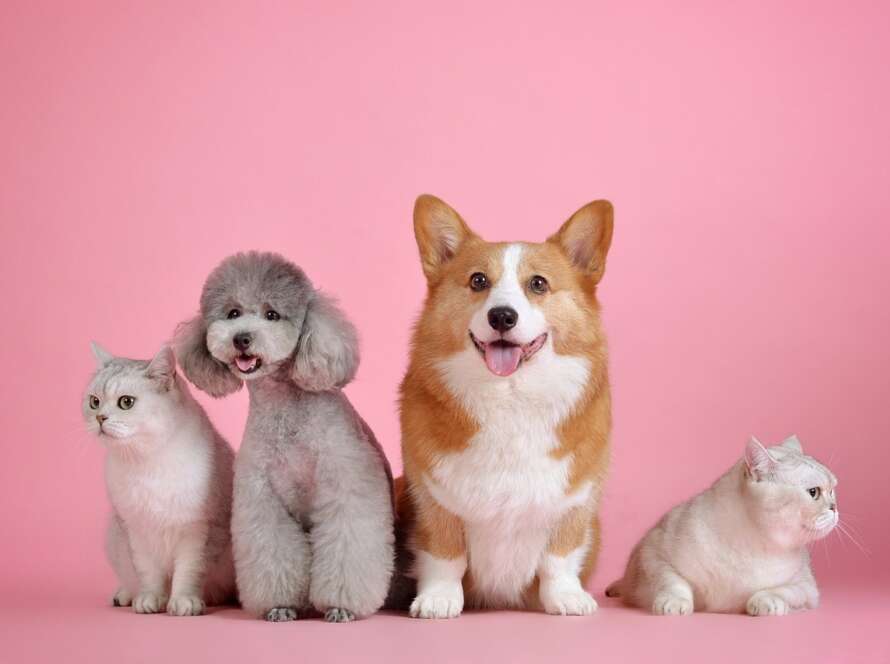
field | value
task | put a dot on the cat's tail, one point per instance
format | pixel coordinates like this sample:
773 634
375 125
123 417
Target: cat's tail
614 588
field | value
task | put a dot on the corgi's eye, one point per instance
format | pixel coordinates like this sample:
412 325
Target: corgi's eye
538 284
233 313
478 281
94 401
272 315
126 402
815 492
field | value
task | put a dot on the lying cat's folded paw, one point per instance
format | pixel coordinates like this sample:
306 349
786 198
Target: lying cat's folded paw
148 602
668 604
185 605
765 603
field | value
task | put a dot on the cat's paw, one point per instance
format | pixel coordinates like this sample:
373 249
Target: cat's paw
122 597
149 602
335 615
185 605
765 603
568 602
668 604
281 614
444 602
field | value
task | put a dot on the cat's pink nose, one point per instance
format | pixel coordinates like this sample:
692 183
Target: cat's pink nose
101 418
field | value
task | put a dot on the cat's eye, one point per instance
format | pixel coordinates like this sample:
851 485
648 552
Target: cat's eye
94 402
233 313
273 315
815 493
538 284
478 282
126 402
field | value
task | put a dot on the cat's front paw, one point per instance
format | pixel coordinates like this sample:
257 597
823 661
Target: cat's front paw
765 603
335 615
281 614
122 597
185 605
443 602
668 604
568 602
149 602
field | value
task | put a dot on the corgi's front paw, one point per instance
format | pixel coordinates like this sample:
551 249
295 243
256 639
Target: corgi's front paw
150 602
185 605
669 604
441 602
765 603
568 602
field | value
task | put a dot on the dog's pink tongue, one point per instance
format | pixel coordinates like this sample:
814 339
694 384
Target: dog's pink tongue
502 360
245 363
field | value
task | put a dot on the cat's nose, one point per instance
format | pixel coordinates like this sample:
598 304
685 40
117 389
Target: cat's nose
101 418
242 341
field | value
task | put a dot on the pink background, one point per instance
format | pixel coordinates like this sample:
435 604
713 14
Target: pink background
745 150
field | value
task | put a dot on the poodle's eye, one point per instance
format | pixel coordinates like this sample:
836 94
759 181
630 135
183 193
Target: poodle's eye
126 402
272 315
478 282
233 313
94 401
815 492
538 284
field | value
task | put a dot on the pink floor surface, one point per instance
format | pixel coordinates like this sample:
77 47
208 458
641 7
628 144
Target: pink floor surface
852 625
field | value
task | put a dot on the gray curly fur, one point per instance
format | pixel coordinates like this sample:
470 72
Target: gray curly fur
312 521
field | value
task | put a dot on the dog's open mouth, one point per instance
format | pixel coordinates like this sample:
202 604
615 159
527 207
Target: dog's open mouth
247 364
503 357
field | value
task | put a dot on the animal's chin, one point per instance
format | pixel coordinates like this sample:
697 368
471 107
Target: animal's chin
504 357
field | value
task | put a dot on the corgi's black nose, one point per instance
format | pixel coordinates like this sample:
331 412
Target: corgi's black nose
502 318
242 341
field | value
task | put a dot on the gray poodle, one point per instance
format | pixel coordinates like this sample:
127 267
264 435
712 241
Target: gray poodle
312 520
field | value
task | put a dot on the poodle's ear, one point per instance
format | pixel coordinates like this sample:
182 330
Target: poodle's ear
327 353
199 366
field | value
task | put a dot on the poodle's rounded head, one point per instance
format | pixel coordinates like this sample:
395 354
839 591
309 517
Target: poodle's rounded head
259 315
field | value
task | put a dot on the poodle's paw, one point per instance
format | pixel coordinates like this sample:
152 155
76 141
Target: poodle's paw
442 602
765 603
668 604
282 614
336 615
568 602
185 605
122 597
150 602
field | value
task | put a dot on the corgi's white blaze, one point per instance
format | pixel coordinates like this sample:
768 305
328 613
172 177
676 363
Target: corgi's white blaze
506 487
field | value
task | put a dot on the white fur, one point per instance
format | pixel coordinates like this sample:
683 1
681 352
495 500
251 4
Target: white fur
506 487
561 592
440 592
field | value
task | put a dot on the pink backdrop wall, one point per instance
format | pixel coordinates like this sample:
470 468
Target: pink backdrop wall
745 150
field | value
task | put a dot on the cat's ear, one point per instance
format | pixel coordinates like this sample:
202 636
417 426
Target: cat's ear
439 231
162 367
103 357
793 444
198 365
758 459
327 353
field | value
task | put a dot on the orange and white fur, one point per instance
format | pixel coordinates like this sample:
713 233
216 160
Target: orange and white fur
505 414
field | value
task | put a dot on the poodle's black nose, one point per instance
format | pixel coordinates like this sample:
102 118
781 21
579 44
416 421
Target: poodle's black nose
502 318
242 341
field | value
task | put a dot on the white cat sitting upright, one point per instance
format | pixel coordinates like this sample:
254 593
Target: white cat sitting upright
169 479
741 545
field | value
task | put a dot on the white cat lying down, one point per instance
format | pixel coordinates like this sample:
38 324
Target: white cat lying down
741 545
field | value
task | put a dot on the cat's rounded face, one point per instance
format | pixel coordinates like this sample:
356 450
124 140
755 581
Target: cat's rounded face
123 403
796 497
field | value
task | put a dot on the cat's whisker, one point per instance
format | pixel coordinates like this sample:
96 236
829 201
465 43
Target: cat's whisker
841 528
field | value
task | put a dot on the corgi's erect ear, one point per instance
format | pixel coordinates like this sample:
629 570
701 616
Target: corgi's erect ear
327 353
198 365
586 237
103 357
439 231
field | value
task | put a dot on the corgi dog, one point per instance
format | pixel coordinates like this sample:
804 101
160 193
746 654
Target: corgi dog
505 414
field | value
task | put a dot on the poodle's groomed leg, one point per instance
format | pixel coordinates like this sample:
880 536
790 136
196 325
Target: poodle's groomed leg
352 549
271 551
118 550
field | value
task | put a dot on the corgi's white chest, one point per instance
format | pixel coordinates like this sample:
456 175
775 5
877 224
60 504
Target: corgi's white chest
506 485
